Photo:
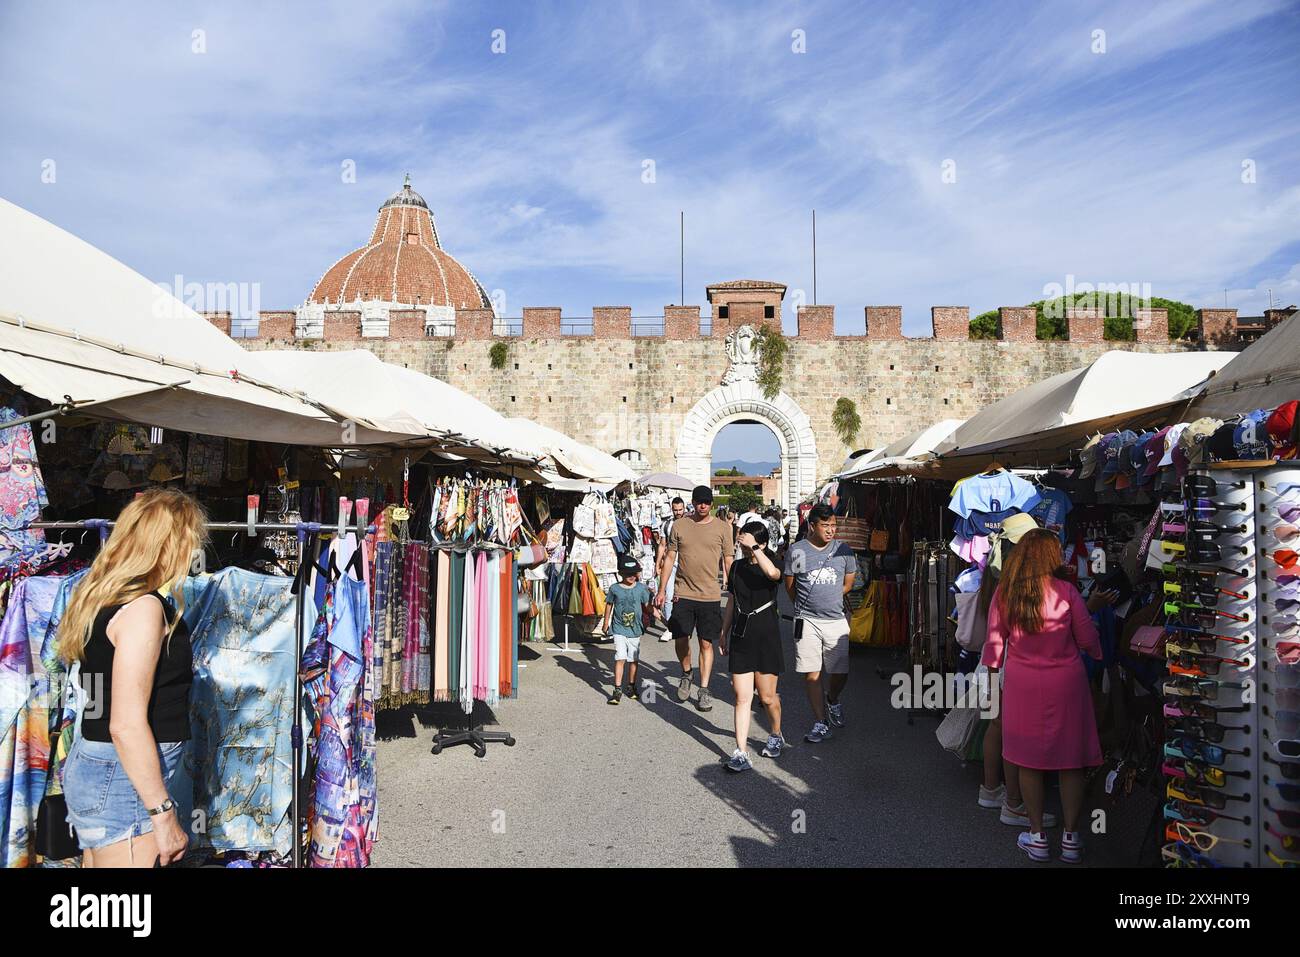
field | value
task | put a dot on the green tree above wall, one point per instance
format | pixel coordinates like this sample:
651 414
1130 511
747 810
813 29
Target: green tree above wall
1119 312
742 498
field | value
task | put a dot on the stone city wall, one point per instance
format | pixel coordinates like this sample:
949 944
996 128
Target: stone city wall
617 392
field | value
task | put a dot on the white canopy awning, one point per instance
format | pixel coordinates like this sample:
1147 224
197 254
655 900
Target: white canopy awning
902 455
667 480
1042 422
356 384
577 458
81 330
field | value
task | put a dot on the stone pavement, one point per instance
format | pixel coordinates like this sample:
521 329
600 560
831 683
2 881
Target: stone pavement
643 784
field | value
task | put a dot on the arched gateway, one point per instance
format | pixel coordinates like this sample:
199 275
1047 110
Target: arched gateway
743 401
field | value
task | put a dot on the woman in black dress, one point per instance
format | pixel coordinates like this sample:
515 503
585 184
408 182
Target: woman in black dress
751 632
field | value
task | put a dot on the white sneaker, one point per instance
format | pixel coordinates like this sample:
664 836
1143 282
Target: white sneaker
774 746
994 798
1071 847
1019 817
1035 845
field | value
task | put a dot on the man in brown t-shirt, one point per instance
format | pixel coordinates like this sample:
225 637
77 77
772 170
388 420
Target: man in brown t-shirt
701 545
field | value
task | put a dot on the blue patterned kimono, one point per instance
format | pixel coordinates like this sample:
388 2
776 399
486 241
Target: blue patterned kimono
240 758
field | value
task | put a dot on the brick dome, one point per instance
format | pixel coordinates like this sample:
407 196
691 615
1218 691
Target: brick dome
403 263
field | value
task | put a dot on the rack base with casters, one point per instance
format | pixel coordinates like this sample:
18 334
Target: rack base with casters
479 738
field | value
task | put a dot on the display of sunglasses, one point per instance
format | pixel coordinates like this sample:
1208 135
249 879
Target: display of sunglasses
1199 774
1204 485
1285 534
1288 722
1178 854
1290 769
1199 614
1198 814
1291 794
1288 819
1287 511
1201 635
1287 698
1289 842
1287 747
1172 570
1287 676
1214 754
1195 506
1205 531
1188 645
1201 840
1279 861
1199 709
1196 794
1206 730
1206 688
1286 604
1204 594
1287 653
1199 665
1286 557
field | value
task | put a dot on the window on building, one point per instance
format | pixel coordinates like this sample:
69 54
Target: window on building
769 312
722 312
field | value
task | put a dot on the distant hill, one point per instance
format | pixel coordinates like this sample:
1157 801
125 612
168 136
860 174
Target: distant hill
746 468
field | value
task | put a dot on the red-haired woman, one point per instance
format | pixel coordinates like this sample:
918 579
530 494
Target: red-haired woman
1038 625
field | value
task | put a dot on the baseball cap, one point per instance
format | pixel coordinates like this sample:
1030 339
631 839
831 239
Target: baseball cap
1014 528
1153 449
1282 428
1220 445
1194 438
627 565
1171 442
1250 437
702 494
1088 457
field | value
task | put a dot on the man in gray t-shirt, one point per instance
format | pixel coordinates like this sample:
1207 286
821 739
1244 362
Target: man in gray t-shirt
818 574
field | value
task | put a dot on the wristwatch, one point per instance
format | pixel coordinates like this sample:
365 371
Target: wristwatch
163 808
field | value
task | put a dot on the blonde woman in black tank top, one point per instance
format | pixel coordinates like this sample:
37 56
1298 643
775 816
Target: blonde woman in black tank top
123 627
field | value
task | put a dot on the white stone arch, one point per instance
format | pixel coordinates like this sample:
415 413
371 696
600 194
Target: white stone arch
742 401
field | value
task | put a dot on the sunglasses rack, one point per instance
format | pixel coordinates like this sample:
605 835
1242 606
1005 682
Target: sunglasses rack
1277 493
1213 762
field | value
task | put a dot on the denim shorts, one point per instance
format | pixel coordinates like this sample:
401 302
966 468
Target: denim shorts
102 802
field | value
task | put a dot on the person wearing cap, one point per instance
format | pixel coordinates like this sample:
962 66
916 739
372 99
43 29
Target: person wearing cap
623 603
700 545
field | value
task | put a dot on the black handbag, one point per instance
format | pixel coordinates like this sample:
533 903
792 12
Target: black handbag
56 839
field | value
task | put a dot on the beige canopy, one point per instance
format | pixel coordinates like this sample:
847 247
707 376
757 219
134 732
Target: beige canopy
1263 376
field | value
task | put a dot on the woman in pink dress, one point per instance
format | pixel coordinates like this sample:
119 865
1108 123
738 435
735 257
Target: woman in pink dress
1038 625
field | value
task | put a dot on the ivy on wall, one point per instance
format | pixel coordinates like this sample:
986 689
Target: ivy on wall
772 350
499 353
1118 310
846 421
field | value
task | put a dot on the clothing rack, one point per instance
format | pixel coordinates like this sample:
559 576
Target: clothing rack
308 532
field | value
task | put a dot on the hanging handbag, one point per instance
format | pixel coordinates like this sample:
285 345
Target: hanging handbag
852 530
56 838
957 729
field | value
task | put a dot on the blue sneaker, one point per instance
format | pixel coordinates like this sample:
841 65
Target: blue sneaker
819 733
739 761
775 743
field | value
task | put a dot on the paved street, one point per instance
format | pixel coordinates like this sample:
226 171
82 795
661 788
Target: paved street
643 785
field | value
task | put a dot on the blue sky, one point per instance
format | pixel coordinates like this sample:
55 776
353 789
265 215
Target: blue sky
1116 166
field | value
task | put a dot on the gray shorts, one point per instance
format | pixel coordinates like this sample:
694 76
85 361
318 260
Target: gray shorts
625 648
821 644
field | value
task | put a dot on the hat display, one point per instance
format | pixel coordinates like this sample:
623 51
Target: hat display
1194 438
1220 446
